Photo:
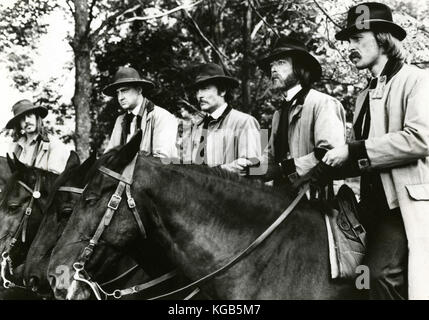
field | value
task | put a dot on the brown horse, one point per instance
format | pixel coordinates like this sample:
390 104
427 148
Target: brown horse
197 219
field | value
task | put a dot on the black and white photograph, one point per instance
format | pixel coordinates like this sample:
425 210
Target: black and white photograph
214 154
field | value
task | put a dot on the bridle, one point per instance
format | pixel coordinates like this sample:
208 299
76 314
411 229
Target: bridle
6 263
125 181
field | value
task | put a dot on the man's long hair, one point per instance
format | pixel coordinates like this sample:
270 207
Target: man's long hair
391 46
40 128
302 74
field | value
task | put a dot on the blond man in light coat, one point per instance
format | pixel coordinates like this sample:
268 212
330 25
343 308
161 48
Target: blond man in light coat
391 126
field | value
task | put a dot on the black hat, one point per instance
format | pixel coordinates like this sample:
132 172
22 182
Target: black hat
22 107
291 47
127 76
379 18
212 73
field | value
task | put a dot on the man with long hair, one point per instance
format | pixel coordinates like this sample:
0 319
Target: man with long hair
32 144
390 153
308 119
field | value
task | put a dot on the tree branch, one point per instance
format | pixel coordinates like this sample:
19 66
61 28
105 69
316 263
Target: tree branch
95 35
157 16
326 14
70 6
219 53
91 14
263 19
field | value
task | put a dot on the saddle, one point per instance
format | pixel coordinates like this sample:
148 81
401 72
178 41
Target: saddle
346 235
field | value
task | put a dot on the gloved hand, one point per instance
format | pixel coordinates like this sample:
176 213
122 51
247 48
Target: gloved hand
321 174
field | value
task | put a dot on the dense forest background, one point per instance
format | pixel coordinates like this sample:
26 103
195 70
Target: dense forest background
163 39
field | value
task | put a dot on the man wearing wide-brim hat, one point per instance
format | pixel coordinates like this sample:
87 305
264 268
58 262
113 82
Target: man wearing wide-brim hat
390 153
159 126
32 144
225 137
307 118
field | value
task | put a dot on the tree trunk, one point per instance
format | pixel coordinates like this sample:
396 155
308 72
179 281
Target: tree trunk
83 87
246 72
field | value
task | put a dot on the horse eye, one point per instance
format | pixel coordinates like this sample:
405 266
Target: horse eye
67 211
13 206
91 200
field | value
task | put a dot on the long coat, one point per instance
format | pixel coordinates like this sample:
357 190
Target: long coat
237 135
52 154
159 131
319 122
398 146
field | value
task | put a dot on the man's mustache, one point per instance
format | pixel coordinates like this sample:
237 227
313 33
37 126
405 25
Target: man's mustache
354 54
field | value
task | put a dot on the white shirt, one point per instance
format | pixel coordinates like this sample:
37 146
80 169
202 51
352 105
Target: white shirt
292 92
218 112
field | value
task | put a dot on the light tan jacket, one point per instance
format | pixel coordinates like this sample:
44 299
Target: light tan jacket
319 122
398 146
237 135
52 154
159 131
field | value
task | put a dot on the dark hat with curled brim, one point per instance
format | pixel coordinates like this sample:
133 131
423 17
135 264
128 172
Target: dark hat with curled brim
370 16
290 47
211 73
23 107
126 76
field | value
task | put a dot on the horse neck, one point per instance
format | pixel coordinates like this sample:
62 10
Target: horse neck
203 220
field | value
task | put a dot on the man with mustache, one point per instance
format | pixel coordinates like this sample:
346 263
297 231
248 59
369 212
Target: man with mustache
390 153
225 137
32 144
308 119
159 126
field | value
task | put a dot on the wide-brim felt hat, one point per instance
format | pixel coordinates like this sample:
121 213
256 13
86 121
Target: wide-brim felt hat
291 47
23 107
379 19
126 76
212 73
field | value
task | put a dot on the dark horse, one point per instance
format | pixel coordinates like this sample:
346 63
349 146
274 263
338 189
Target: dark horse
62 199
20 216
200 218
4 175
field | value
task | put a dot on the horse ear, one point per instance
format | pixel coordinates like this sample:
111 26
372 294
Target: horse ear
73 160
19 166
87 164
128 151
11 163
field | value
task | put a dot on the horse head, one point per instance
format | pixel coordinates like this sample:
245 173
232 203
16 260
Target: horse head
21 211
63 196
75 249
4 175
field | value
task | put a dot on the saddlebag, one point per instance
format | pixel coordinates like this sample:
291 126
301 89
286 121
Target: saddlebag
346 235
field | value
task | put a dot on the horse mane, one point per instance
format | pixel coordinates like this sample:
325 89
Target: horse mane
213 175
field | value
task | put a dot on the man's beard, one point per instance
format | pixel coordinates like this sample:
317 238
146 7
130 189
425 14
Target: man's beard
279 86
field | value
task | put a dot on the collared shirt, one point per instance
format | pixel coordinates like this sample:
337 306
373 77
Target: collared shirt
134 125
292 92
28 149
219 111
